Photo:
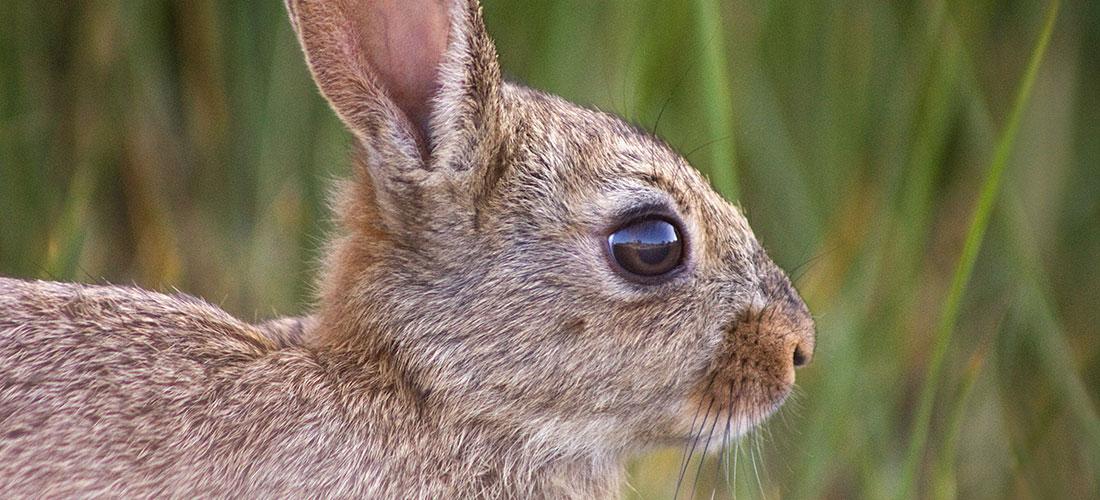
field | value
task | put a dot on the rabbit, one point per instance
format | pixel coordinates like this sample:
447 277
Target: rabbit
521 295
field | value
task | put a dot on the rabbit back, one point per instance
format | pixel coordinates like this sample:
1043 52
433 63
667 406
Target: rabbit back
123 391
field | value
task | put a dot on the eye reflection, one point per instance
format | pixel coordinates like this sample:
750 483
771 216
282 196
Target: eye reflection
647 247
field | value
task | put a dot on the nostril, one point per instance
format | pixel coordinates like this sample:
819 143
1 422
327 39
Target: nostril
799 356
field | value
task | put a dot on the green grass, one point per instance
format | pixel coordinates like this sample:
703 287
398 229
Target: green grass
975 234
929 177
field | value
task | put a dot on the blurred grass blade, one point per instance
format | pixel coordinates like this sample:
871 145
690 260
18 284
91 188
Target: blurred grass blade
965 266
945 479
67 240
1055 353
1056 357
716 92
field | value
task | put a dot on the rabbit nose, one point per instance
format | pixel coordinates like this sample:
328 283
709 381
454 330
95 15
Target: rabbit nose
803 354
801 340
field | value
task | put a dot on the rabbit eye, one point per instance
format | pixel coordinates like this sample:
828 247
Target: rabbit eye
646 248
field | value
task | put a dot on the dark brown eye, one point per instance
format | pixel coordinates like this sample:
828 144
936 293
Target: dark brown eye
647 247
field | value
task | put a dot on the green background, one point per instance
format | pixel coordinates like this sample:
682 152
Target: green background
181 144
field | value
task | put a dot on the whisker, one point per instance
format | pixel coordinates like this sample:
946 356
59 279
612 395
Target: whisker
759 484
797 272
764 459
703 457
694 443
672 93
756 470
737 451
691 431
729 418
718 464
687 156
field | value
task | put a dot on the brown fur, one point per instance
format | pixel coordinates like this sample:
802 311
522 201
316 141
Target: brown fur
470 339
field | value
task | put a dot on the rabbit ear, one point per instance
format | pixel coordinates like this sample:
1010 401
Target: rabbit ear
415 80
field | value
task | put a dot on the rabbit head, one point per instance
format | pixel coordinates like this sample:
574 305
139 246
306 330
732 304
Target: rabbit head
527 263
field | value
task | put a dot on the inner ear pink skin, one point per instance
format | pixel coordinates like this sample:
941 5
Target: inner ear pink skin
404 42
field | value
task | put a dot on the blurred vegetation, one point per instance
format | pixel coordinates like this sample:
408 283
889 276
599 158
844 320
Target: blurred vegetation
181 144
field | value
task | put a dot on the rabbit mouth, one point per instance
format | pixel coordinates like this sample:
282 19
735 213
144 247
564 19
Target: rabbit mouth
727 411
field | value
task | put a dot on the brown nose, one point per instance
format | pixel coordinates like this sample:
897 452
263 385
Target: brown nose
788 323
803 354
781 317
786 316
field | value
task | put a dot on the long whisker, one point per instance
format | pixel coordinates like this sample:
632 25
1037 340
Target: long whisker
729 418
796 273
704 145
769 437
737 451
703 457
691 431
718 463
723 460
672 93
694 443
755 470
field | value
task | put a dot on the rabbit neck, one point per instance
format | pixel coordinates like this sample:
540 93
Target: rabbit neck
418 450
